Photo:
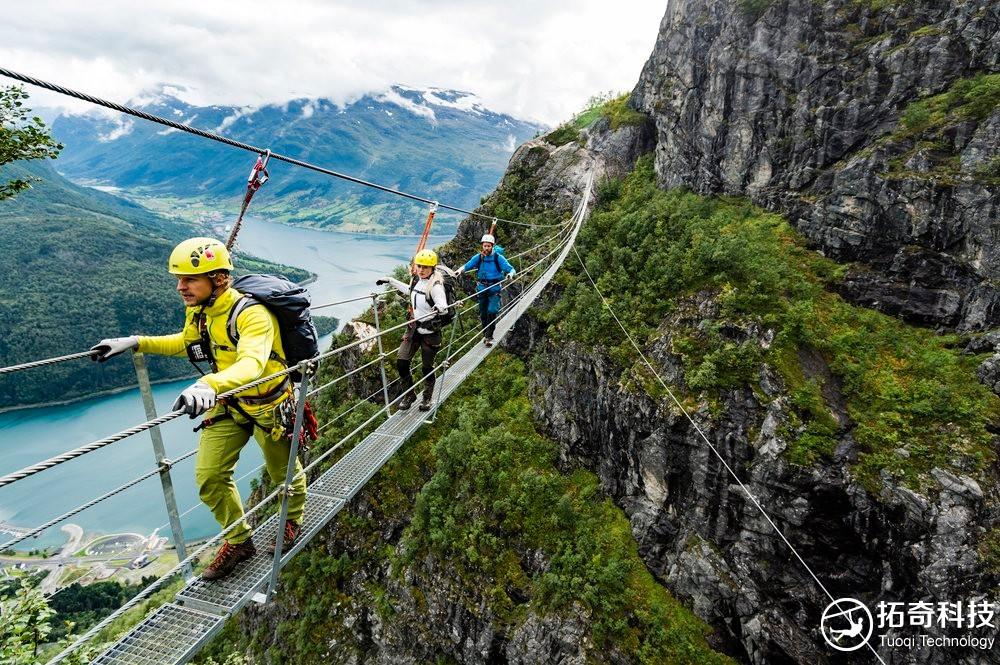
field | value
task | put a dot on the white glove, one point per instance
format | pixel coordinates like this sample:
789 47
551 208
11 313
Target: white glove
196 399
510 275
109 348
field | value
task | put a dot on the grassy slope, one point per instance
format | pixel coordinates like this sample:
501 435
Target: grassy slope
911 395
489 500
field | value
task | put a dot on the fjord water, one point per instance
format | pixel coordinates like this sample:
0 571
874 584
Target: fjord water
346 265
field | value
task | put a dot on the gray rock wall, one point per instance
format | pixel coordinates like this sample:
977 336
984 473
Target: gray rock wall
793 106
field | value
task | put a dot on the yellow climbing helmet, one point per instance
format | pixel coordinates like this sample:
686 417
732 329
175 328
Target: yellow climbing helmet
197 256
426 257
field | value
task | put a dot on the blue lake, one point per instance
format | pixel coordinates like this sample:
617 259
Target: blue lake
347 266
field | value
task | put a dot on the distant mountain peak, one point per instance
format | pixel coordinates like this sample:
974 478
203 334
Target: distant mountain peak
421 101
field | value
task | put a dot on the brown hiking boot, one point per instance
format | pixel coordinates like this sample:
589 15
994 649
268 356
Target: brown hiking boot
226 560
407 401
425 403
292 532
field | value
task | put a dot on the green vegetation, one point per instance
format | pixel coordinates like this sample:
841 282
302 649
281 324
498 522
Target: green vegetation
910 399
755 8
975 97
989 551
496 494
27 628
923 124
83 606
21 138
490 501
563 135
613 107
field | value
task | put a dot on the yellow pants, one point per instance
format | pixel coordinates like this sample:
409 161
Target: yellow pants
218 451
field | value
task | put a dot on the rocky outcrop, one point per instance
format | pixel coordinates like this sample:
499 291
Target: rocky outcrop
796 104
707 541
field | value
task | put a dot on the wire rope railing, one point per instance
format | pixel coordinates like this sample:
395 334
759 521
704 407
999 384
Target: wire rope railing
90 448
10 478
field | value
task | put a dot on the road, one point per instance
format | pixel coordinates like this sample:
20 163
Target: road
55 564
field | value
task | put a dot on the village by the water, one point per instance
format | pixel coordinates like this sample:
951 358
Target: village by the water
87 558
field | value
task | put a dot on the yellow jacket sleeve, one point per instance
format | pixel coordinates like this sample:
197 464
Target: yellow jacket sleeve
174 344
256 329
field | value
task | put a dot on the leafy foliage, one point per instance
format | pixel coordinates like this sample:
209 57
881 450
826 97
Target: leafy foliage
27 627
912 401
21 138
496 495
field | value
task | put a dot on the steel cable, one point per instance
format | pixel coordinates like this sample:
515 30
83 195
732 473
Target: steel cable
93 502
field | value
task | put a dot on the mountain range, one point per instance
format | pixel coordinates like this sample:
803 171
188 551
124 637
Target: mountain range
441 144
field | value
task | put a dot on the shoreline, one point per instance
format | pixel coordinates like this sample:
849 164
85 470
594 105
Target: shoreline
84 398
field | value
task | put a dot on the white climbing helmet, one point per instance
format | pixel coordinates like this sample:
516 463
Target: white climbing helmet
488 238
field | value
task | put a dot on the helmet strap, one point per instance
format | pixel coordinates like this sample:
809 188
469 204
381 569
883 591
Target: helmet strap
216 290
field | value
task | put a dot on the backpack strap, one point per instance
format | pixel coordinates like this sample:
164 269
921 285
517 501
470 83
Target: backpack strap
241 306
435 279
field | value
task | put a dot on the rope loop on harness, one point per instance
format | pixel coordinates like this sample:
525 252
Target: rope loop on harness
258 176
422 244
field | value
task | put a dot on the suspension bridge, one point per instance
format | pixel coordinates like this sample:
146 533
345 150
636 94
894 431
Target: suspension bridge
175 631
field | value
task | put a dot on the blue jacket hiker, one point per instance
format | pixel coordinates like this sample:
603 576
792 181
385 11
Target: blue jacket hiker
492 268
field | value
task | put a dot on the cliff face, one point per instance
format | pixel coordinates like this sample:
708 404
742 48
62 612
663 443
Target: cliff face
811 108
702 537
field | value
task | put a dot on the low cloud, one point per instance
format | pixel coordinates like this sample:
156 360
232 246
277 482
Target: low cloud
537 61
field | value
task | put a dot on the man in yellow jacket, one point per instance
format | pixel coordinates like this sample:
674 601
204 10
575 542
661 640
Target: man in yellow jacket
202 267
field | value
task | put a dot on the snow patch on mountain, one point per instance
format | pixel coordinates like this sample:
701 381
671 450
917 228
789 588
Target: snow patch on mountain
121 125
392 96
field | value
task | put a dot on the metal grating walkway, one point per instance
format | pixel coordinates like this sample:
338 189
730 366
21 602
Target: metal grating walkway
175 632
228 595
172 634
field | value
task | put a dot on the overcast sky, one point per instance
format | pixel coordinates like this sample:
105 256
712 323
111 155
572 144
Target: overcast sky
537 60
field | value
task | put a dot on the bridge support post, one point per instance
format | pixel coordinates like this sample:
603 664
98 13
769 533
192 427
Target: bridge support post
381 353
146 390
306 368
